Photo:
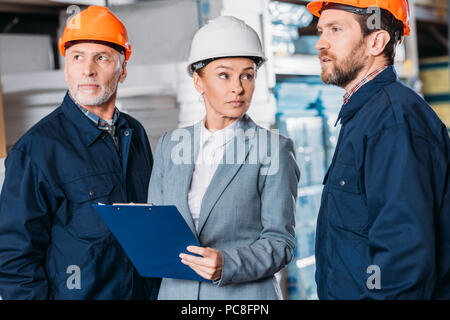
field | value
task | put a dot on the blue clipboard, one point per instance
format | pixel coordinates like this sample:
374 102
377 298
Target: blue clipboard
152 237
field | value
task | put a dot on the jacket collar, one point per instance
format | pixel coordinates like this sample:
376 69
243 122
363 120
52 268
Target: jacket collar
220 137
226 172
222 177
243 123
242 127
88 130
360 97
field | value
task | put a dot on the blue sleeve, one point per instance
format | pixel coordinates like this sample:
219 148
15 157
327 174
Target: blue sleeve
443 222
147 147
401 179
24 229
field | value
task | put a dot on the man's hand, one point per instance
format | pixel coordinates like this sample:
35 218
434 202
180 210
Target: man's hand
209 266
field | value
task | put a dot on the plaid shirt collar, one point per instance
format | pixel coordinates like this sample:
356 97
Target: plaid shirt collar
99 123
368 78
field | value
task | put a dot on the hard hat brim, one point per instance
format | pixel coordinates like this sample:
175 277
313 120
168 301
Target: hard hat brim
315 7
263 59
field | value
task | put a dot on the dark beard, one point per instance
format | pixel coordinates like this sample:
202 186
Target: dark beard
348 70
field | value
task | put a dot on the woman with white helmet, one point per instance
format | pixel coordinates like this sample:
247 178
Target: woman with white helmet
236 183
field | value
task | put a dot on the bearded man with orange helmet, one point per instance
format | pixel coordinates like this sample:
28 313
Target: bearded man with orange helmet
383 230
52 243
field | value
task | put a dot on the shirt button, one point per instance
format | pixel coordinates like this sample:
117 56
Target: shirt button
91 193
126 133
342 183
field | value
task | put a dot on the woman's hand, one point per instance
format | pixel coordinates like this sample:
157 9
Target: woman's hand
209 266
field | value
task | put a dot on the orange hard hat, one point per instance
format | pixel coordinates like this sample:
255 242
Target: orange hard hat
398 8
96 23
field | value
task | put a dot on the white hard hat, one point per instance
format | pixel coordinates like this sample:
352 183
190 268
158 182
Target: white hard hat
224 36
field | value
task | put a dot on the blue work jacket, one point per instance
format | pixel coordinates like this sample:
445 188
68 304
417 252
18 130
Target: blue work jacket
53 245
383 230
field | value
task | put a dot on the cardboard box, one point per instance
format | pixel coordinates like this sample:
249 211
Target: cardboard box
443 111
435 75
438 4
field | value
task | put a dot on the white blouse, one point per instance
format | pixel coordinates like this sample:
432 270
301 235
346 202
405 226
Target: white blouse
211 150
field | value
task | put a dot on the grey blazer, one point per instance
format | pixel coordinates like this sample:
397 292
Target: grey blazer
248 210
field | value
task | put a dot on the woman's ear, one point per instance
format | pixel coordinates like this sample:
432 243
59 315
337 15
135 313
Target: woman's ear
377 42
198 83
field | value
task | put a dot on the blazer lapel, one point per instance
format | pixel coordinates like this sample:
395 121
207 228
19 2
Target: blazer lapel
225 172
184 174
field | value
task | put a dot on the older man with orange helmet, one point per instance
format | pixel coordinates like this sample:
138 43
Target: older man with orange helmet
383 230
52 243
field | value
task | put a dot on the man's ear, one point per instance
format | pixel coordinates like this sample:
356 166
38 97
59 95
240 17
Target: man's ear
378 40
124 72
198 83
65 69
